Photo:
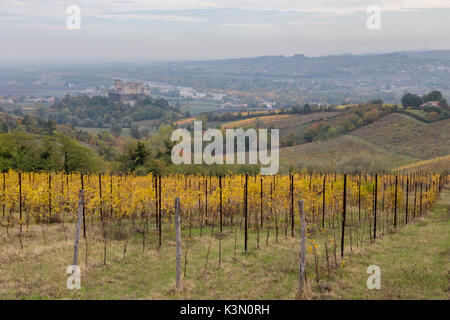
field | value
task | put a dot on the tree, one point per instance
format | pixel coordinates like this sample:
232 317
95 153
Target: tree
307 108
116 129
135 132
411 100
76 158
126 122
26 152
377 101
141 154
433 96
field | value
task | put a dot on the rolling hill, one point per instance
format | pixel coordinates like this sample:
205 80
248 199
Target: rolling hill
434 165
282 121
393 141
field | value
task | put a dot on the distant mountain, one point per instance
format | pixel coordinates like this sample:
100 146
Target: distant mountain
334 64
288 80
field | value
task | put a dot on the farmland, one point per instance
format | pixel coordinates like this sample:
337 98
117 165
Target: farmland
282 121
390 142
433 165
235 229
415 261
199 106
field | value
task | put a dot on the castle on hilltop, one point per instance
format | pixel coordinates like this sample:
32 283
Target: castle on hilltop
127 92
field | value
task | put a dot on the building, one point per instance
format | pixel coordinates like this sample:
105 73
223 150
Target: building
127 92
437 104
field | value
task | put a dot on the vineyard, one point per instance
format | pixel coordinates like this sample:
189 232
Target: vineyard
231 215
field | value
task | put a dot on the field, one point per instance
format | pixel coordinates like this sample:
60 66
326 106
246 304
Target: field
415 262
151 125
404 135
283 122
240 241
439 164
200 106
344 152
393 141
125 131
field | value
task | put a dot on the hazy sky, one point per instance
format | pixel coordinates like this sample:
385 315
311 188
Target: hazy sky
155 30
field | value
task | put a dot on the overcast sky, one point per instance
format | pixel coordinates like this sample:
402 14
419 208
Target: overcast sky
160 30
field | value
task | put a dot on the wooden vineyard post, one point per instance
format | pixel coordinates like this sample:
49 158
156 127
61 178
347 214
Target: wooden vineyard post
269 217
78 227
301 279
359 197
159 213
261 204
20 202
272 188
178 240
20 210
111 195
245 211
156 201
407 199
4 195
420 200
221 209
84 217
375 208
395 202
344 211
292 204
49 195
101 218
206 202
101 197
323 201
201 212
415 197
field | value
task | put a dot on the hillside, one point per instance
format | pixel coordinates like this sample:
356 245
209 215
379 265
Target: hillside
404 135
291 126
282 121
392 141
434 165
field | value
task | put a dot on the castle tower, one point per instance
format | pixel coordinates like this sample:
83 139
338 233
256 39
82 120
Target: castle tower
118 84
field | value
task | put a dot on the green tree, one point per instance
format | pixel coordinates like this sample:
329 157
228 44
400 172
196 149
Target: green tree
116 129
433 96
411 100
135 132
307 108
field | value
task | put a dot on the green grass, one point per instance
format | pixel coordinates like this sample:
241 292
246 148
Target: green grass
93 130
38 271
393 141
342 152
125 131
199 106
414 262
404 135
439 164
